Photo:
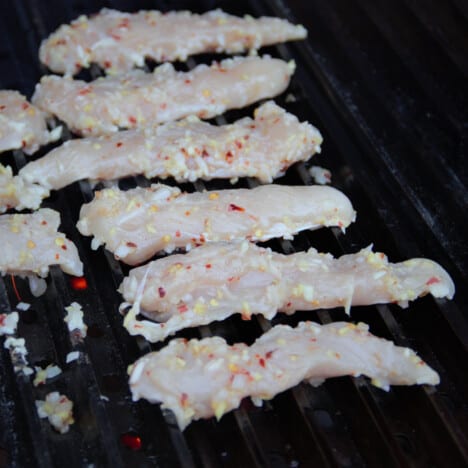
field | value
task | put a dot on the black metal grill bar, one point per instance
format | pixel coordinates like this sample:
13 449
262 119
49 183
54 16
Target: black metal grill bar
345 422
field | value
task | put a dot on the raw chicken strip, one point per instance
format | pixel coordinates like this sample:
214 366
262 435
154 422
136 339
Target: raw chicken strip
139 99
187 150
138 223
23 125
203 378
31 244
214 281
119 41
16 193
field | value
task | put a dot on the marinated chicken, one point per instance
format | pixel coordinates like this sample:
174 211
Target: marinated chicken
139 99
23 125
138 223
203 378
214 281
119 41
16 193
263 147
31 244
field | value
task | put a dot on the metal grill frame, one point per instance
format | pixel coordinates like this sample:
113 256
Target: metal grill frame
384 82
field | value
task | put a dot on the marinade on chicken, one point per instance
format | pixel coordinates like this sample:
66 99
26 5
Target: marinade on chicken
138 223
215 281
17 193
119 41
203 378
22 125
263 147
139 99
31 244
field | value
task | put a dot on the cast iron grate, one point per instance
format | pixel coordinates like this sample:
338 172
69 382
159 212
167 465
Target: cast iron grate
385 85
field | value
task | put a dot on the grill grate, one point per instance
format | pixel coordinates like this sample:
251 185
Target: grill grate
385 85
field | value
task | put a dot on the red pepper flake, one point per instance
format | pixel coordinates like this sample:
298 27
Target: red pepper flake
115 36
163 105
229 157
161 291
84 91
119 144
44 222
233 207
60 42
261 361
64 247
204 153
2 319
15 289
124 23
182 308
340 224
57 256
131 441
238 144
208 266
187 213
2 107
269 354
132 119
187 81
246 315
253 126
177 233
107 64
131 244
23 143
432 280
24 106
79 283
184 399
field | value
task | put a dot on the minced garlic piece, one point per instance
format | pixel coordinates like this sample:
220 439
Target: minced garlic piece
58 409
74 318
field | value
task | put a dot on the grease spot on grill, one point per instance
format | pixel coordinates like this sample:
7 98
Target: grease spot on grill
79 283
405 443
95 331
28 316
42 363
131 440
4 457
322 418
112 383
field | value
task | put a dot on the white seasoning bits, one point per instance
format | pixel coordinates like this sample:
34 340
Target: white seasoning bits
320 175
8 323
17 347
42 375
73 356
74 319
58 409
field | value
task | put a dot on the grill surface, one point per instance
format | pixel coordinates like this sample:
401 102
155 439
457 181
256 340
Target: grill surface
385 83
